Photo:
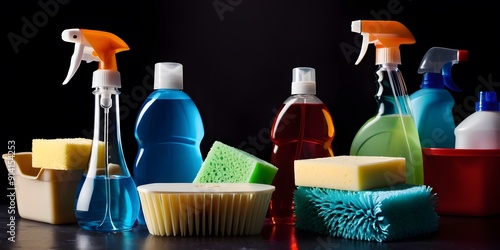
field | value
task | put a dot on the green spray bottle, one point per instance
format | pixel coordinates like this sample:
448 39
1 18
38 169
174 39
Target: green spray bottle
392 131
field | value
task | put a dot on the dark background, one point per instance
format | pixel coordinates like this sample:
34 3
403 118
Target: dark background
237 55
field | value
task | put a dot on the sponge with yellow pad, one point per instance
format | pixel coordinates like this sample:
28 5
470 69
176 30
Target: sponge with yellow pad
361 198
61 153
348 172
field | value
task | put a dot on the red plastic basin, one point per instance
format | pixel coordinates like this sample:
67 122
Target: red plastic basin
466 181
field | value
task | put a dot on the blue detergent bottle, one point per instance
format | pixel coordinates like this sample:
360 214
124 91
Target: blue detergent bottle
168 131
432 104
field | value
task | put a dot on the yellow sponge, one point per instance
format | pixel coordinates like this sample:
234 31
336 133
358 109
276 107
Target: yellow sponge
61 153
354 173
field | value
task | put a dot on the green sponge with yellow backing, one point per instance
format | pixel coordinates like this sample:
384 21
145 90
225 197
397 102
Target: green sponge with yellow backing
383 214
226 164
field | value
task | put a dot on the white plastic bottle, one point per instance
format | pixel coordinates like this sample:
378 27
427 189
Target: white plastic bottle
481 129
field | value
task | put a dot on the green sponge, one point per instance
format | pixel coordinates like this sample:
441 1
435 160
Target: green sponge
384 214
226 164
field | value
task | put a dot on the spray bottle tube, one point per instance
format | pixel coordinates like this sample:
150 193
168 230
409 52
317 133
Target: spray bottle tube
392 132
106 198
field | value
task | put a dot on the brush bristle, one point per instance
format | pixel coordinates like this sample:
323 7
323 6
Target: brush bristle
309 215
384 214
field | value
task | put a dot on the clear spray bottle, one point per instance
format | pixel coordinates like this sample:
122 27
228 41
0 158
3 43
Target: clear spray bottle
392 132
106 198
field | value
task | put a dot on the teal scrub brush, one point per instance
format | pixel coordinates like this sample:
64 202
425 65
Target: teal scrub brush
308 215
384 214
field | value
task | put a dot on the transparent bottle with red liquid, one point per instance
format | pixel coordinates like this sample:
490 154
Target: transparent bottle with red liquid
302 129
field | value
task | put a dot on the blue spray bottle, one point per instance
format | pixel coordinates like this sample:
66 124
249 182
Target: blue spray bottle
432 105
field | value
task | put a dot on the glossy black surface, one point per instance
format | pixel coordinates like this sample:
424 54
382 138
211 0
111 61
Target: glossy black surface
455 232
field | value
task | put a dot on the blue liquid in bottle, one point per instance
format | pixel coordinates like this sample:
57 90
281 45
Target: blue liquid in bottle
122 195
106 198
168 131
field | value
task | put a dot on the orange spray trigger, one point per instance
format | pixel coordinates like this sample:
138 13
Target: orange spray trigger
105 45
95 45
387 36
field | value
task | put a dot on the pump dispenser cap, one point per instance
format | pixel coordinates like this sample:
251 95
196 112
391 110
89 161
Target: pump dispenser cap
168 75
487 101
303 81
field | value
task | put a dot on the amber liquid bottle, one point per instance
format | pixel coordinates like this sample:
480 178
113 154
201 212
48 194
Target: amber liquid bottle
302 129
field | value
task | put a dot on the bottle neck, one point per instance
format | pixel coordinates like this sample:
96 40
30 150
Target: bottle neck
303 99
392 95
388 66
107 154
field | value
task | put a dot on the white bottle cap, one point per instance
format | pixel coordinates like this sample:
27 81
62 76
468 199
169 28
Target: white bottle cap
106 78
168 75
303 81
